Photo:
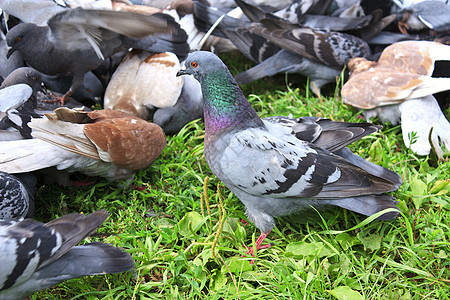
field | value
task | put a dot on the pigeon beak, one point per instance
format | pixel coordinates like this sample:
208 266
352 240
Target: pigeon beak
183 72
10 51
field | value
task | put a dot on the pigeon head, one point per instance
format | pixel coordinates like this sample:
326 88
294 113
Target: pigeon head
25 75
17 36
201 64
224 103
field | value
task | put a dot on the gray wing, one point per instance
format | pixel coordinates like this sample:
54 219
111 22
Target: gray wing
434 14
263 164
80 29
325 133
14 96
333 49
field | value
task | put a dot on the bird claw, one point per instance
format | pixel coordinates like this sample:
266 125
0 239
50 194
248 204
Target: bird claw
402 25
60 99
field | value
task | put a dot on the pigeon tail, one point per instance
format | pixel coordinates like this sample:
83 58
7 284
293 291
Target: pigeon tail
30 155
89 259
369 205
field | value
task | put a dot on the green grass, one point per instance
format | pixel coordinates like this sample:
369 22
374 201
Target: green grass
321 255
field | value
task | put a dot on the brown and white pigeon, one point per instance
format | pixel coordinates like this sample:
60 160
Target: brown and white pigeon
399 87
35 256
106 143
143 82
272 171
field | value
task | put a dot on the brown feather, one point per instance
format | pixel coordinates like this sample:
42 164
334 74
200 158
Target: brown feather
132 143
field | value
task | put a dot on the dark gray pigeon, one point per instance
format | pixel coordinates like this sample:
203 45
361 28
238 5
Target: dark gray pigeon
7 65
189 107
17 195
35 256
76 40
333 49
288 62
270 170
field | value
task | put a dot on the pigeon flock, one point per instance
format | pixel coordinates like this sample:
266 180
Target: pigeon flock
61 61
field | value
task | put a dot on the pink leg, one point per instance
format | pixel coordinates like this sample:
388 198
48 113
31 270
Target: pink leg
61 99
140 188
258 245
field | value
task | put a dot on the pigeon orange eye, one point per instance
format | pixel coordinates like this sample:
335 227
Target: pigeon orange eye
17 39
194 64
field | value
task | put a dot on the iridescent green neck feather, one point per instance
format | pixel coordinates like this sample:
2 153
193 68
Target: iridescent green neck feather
224 103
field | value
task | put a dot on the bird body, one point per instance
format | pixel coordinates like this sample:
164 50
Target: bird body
189 107
104 143
403 73
76 40
16 195
143 82
270 170
35 256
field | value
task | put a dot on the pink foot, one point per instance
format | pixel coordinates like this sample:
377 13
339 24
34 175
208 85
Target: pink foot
258 245
140 188
244 223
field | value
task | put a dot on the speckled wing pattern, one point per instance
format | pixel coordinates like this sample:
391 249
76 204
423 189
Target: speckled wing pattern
275 164
333 49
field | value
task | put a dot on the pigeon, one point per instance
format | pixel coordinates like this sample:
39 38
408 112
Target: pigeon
288 62
13 118
36 256
76 40
106 143
385 88
419 15
144 81
32 11
91 90
189 107
316 21
268 168
8 65
17 195
333 49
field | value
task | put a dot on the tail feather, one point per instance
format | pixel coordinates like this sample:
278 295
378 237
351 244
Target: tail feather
90 259
369 205
29 155
74 228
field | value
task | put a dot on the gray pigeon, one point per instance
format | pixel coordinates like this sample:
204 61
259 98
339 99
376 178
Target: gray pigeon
270 170
288 62
35 256
189 107
13 100
333 49
76 41
32 11
7 65
419 15
17 195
